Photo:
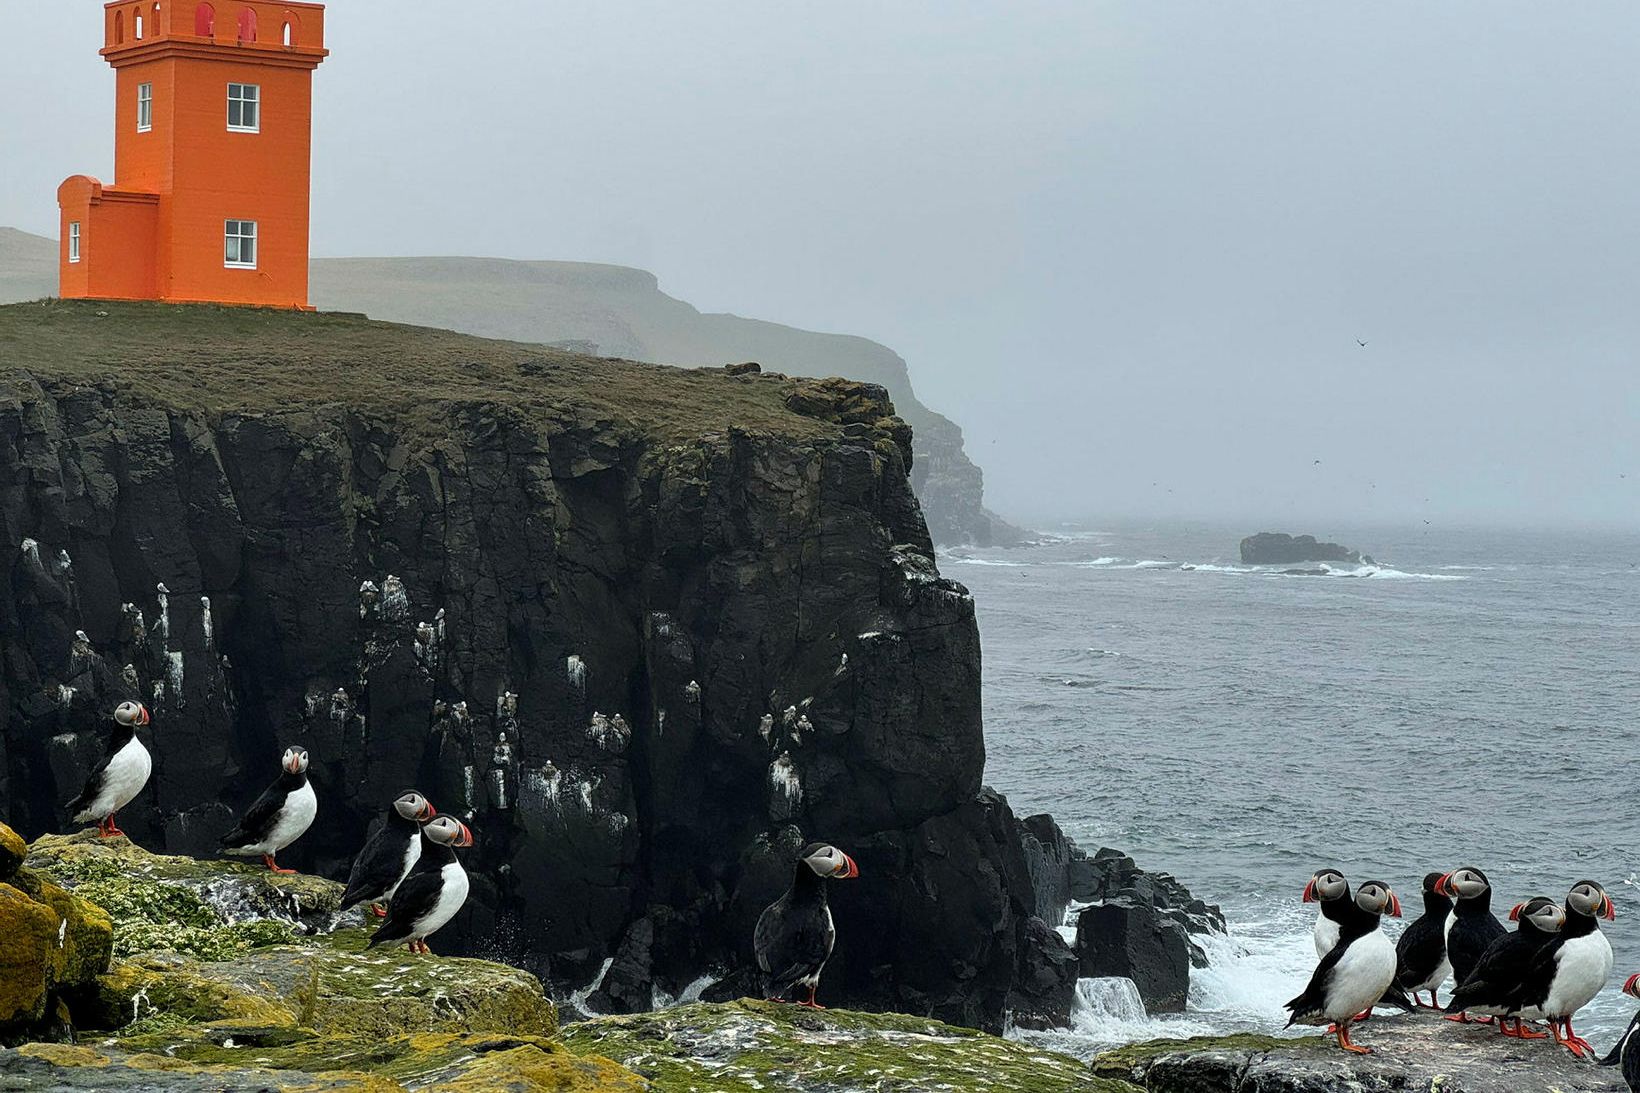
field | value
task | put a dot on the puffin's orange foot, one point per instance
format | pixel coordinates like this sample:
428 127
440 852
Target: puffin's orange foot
273 866
378 910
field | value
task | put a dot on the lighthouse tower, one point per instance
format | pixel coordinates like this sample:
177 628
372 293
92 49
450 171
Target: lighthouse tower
212 154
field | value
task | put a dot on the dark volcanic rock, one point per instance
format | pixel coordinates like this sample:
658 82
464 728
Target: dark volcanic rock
1126 936
1045 987
1276 548
645 662
1410 1052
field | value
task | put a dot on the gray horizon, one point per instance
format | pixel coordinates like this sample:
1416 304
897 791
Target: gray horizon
1129 248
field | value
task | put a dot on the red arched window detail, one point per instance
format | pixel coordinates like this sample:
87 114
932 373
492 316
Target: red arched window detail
119 28
136 24
290 34
205 21
247 25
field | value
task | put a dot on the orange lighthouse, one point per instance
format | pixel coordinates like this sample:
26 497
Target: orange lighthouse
212 155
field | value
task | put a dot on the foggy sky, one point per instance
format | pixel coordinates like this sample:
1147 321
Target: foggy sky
1129 247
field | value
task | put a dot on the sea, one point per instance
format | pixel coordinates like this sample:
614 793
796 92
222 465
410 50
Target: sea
1471 698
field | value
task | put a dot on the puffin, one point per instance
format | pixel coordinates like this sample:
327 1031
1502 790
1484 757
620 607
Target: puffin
795 933
1420 952
1356 972
1471 927
1626 1052
1566 974
433 892
1328 888
279 817
1500 969
389 854
119 777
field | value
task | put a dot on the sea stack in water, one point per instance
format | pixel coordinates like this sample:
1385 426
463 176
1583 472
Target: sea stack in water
433 892
1358 970
389 854
117 780
1276 548
795 933
279 817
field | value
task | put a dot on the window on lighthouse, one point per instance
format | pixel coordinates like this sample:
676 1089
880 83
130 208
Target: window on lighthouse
241 244
145 107
74 241
245 107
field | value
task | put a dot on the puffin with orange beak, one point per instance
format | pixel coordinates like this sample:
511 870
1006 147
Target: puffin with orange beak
1331 892
1497 976
389 854
1626 1052
120 776
1471 928
795 934
279 817
1358 970
1571 969
433 892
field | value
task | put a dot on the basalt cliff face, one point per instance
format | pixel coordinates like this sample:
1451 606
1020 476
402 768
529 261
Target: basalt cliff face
612 311
650 628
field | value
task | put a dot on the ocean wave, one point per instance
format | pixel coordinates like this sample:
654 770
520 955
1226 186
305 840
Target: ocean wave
1365 572
1108 1012
1209 567
955 560
1093 562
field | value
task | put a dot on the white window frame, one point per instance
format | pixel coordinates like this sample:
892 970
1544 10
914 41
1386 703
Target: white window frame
237 96
233 232
145 107
74 241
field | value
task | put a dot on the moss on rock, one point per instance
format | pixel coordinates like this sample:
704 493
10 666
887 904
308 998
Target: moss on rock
28 933
744 1046
12 852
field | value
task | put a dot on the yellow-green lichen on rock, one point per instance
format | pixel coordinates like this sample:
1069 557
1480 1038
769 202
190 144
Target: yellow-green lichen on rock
749 1046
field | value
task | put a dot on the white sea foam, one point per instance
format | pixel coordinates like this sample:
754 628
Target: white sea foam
1103 560
986 561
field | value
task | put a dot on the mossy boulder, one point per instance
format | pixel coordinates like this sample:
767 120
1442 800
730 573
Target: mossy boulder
52 943
12 852
747 1046
240 1060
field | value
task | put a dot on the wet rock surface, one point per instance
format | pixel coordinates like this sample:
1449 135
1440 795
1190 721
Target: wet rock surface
1417 1053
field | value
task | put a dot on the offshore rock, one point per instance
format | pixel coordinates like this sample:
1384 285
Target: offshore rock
1276 548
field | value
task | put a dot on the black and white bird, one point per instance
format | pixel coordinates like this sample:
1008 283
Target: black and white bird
1471 927
434 891
1497 976
795 934
1626 1052
1356 972
1329 889
1420 951
119 777
1571 969
279 817
389 854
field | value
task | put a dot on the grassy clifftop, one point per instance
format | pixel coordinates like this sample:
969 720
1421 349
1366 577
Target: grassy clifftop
222 359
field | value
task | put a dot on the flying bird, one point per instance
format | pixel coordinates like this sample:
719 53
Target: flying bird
1361 343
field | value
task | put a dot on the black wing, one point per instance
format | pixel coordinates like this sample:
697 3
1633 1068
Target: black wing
1418 952
1468 942
417 896
1494 975
791 944
1537 975
93 782
376 868
258 820
1314 998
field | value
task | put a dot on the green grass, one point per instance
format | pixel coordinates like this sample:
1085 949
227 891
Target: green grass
224 360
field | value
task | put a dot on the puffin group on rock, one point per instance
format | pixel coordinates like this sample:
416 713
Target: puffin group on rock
1547 969
407 870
